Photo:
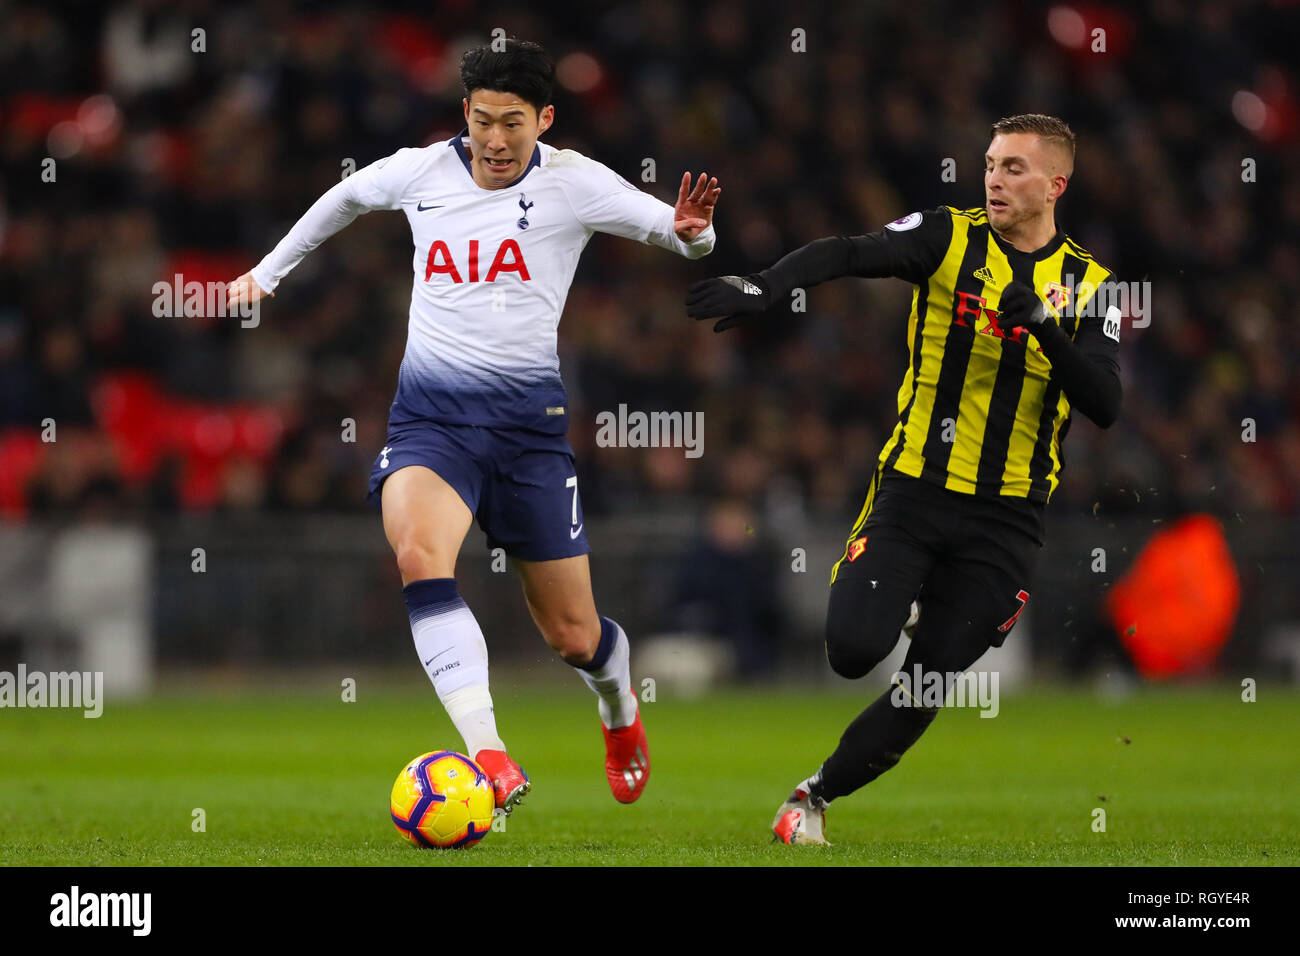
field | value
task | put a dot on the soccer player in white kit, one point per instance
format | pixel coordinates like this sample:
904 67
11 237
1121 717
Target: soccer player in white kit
477 428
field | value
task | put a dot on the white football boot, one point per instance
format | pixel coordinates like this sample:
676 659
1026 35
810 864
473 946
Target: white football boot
801 819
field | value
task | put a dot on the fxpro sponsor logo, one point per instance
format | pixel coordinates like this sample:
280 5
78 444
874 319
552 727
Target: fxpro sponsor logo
637 429
82 690
76 908
923 688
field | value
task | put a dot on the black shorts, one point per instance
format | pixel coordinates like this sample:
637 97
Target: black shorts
969 560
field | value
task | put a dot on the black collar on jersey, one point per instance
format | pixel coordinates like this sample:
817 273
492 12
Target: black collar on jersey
459 147
1038 255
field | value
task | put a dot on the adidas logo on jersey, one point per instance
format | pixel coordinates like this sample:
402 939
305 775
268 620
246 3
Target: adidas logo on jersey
983 274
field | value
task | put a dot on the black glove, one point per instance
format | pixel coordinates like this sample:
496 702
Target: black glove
732 297
1020 306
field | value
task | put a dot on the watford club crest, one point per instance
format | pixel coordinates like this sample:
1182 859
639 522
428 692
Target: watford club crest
1057 297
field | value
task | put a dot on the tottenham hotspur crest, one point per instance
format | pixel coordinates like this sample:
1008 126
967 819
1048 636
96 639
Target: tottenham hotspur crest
525 206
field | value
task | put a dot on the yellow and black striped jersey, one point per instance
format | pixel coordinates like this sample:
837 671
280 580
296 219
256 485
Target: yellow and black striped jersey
979 412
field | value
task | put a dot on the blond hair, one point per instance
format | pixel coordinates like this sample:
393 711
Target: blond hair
1048 128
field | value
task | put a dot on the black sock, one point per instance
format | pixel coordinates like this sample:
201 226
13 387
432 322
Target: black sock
873 743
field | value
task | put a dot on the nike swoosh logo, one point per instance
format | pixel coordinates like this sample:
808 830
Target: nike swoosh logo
573 535
423 208
438 655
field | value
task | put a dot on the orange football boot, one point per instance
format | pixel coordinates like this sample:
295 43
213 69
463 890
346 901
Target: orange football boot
509 782
627 760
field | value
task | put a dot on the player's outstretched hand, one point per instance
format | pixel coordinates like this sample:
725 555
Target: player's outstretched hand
732 297
1019 306
694 209
244 289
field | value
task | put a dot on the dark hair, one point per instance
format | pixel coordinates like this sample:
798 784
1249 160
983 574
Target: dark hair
1048 127
522 68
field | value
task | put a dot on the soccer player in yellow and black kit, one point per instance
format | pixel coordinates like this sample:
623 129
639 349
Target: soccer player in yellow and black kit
1005 343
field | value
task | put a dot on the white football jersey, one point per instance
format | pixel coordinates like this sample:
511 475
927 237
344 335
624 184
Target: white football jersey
492 268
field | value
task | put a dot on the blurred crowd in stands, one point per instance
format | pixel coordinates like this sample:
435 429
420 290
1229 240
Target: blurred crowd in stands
184 153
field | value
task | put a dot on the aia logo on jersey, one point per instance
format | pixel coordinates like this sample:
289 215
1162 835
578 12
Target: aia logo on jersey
856 548
508 258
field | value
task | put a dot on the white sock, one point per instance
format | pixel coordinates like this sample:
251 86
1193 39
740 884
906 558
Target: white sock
470 709
612 683
454 654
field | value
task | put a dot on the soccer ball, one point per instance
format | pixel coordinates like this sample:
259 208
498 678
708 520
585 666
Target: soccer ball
444 800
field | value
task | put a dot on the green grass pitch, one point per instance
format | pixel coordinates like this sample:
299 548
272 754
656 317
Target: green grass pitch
303 779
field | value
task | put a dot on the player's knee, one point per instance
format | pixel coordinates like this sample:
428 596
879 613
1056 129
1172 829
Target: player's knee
575 639
855 640
848 661
853 650
417 562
